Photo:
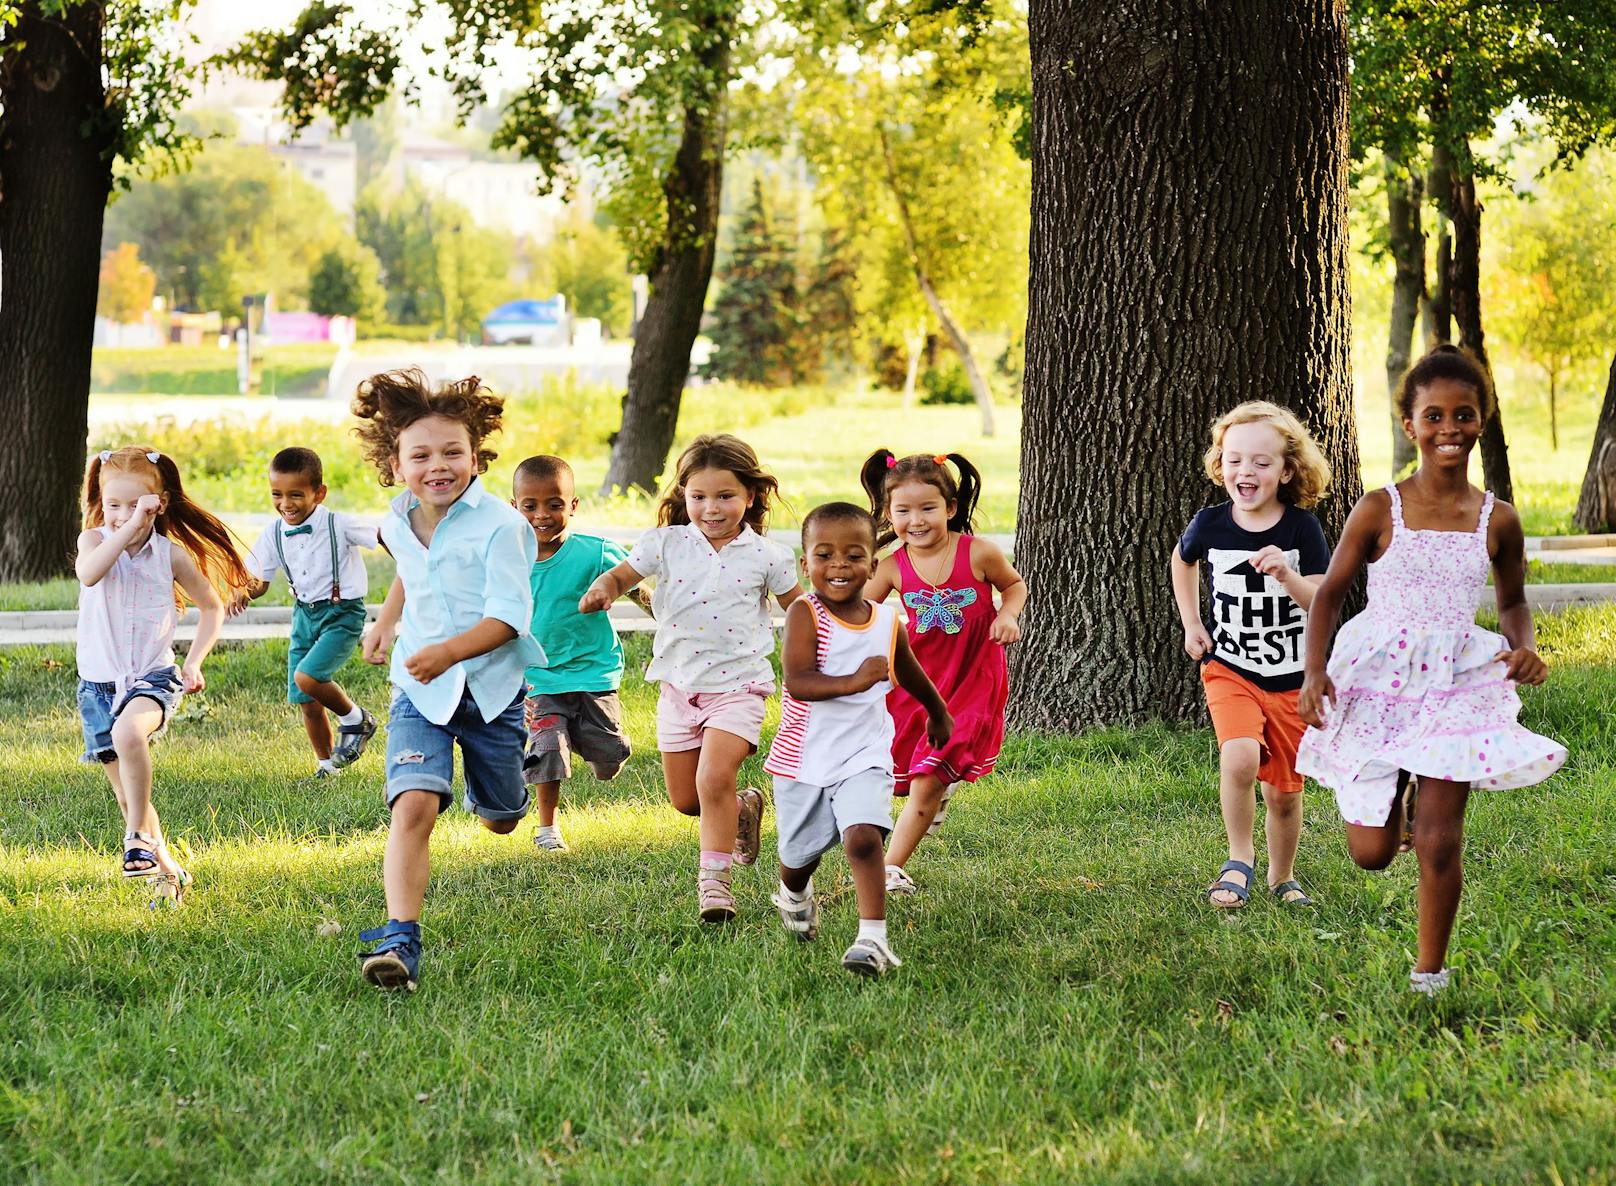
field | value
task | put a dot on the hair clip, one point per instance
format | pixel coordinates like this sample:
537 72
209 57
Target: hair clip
154 456
892 462
106 456
940 458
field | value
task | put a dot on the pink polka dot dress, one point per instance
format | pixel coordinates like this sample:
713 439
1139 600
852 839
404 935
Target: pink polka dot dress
1416 684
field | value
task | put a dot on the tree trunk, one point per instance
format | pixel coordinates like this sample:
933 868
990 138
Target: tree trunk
915 344
962 347
1404 196
1467 315
1596 506
1439 310
1188 252
1554 418
679 276
55 175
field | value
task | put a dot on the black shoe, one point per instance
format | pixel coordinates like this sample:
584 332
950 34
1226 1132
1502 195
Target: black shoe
352 739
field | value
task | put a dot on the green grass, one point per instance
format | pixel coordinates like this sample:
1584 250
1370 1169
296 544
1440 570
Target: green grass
1070 1011
293 369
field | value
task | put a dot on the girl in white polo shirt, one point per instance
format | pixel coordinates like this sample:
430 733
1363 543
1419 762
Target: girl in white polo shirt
715 572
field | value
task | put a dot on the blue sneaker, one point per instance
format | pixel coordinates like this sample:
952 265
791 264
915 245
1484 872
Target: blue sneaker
396 958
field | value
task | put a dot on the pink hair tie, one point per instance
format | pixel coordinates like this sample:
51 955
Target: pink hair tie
892 462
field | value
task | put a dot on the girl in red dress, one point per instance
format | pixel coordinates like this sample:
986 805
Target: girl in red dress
946 578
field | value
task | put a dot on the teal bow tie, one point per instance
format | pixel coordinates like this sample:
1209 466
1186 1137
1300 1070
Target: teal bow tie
306 529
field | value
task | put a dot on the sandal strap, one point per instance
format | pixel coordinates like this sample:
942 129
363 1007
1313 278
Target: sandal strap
1243 892
393 936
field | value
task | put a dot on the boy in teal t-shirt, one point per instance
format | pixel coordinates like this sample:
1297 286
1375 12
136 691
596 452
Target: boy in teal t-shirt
571 704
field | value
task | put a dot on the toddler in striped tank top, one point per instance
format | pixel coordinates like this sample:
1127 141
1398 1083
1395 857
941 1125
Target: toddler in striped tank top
832 756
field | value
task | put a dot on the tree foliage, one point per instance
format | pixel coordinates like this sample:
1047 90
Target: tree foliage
346 282
127 285
755 323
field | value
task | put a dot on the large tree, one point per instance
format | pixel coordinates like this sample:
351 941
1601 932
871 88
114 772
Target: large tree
1188 252
84 86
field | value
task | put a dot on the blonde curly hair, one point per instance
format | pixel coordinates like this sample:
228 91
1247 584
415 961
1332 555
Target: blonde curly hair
1310 472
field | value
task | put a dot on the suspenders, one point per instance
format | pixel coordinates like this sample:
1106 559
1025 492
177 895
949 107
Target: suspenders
336 572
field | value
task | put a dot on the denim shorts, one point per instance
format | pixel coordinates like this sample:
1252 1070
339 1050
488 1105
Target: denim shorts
100 704
420 756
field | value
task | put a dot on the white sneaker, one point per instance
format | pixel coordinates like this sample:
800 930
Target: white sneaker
800 918
899 882
869 957
1429 983
942 810
549 839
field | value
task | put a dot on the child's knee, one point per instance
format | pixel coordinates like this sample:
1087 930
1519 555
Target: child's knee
1372 856
128 735
862 842
501 827
416 809
1239 759
306 683
1282 804
926 793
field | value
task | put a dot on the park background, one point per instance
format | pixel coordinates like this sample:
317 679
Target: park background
1070 1011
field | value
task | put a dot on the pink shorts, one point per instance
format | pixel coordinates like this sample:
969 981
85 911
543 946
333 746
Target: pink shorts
682 717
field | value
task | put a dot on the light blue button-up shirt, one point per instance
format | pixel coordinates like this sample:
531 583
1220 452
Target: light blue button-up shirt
477 567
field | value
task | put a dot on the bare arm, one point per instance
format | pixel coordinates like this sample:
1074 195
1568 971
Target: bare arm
883 582
989 559
798 663
1360 539
97 556
608 587
1272 562
790 595
433 660
210 617
912 678
1187 593
1522 662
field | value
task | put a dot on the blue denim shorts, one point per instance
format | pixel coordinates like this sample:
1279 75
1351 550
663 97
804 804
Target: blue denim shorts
420 756
100 704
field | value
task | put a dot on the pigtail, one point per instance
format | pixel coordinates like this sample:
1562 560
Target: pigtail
211 544
90 496
965 500
873 477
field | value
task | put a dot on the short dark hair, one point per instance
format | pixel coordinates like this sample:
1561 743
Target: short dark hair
838 512
300 461
1445 362
539 467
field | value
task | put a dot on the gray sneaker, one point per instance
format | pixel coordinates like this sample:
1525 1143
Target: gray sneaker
869 957
800 918
352 739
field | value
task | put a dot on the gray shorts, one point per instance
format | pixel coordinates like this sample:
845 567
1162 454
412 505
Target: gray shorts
561 724
809 820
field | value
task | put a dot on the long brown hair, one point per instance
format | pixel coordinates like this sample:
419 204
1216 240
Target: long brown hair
883 470
720 451
210 544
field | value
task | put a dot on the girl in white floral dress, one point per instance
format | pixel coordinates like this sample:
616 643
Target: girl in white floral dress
1415 693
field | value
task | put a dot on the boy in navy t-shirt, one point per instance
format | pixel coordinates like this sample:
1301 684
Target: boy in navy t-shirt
1266 555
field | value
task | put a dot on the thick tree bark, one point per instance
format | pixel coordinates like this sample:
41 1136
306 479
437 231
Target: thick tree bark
660 363
1404 197
1466 288
1189 252
934 302
55 175
1596 507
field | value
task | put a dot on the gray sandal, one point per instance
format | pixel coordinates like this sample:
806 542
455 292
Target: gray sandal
1285 887
1241 892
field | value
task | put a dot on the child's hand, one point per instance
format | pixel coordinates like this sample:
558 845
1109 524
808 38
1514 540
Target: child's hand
1317 692
377 644
1271 562
1197 642
429 662
1005 630
1523 665
939 729
871 672
191 678
595 600
146 508
238 602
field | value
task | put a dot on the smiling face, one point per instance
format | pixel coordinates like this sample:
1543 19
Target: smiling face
120 491
547 504
1446 423
919 514
717 501
838 556
435 461
294 496
1254 465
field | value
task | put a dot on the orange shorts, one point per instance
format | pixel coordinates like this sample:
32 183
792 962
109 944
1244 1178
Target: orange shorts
1241 709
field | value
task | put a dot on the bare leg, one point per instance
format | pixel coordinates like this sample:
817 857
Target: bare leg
862 843
1374 846
152 826
720 763
131 740
796 880
1237 776
919 809
1283 826
406 866
318 726
679 776
548 797
325 693
1439 844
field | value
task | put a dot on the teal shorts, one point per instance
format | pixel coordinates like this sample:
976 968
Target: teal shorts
324 635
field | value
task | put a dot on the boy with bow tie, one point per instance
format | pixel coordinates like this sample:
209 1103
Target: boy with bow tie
319 551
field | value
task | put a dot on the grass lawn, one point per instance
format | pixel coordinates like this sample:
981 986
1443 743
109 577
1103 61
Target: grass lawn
1070 1010
293 369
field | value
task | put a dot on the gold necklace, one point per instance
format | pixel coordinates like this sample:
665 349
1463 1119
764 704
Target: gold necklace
953 554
